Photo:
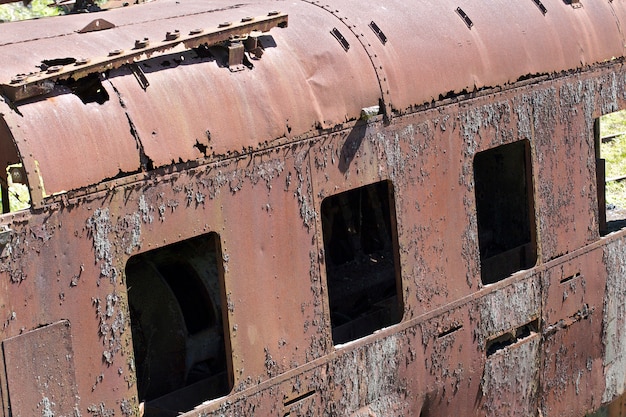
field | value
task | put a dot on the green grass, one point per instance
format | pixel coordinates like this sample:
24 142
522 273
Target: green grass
19 197
614 153
17 11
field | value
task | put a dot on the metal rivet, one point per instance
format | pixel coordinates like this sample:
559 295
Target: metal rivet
224 24
196 32
81 61
116 52
55 68
18 79
142 43
273 13
247 19
170 36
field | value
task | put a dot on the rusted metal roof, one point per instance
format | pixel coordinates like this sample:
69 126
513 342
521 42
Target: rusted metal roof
176 106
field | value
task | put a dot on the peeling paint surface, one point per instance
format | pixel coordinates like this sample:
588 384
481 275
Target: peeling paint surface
249 157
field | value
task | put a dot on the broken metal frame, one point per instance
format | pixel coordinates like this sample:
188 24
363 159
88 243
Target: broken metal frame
24 86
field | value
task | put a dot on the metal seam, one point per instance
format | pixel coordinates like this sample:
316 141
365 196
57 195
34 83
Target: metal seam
376 63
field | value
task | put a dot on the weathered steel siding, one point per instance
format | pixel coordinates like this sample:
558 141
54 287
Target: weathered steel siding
66 261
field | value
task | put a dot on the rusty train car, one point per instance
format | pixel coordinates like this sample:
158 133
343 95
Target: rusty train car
312 208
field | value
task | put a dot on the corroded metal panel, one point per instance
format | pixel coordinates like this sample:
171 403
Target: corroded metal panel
511 346
614 321
73 145
205 109
267 199
41 373
266 146
288 329
451 364
415 57
511 377
573 369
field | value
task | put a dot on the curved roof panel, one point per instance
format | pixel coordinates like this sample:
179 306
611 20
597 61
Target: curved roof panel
177 104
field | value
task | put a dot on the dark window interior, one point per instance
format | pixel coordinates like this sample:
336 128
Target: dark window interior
504 205
175 296
362 270
14 194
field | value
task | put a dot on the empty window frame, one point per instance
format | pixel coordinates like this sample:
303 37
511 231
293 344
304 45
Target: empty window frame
361 253
14 194
505 210
610 148
176 301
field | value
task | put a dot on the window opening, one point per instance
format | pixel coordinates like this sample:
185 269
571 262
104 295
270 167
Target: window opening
176 301
361 251
504 205
15 195
610 147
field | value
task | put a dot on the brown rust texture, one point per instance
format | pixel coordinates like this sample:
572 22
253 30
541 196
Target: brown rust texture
279 191
547 340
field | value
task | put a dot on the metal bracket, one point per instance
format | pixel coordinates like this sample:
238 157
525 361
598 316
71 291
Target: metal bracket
344 43
541 7
139 75
465 17
24 86
379 33
235 56
96 25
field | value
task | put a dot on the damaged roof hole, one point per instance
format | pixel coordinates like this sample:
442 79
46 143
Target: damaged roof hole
201 147
89 89
47 63
203 51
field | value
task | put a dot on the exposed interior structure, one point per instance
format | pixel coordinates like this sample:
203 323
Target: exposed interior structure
13 190
175 299
504 205
362 270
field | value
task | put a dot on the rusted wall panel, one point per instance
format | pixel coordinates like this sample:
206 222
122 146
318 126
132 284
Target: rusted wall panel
510 382
40 367
614 323
267 199
572 364
67 262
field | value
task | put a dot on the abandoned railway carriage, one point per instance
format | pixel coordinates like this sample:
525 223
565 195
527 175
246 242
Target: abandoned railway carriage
342 208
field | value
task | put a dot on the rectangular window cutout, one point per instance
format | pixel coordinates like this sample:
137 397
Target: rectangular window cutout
504 206
176 300
14 194
360 243
610 147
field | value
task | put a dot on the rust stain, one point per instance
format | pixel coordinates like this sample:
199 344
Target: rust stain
305 234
